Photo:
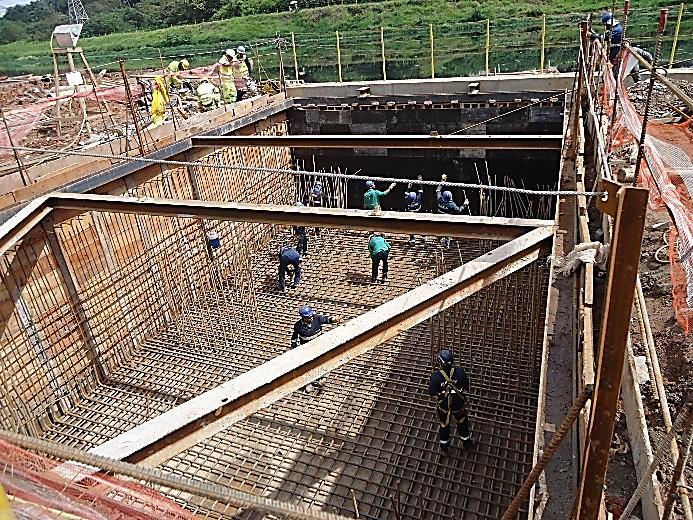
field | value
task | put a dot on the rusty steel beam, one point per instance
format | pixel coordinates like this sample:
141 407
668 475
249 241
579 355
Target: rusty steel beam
628 208
12 231
488 142
391 221
201 417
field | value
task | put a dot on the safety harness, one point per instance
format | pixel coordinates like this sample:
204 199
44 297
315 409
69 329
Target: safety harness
446 395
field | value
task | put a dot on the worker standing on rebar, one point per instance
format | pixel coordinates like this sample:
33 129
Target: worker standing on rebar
226 76
289 257
317 199
241 73
450 386
371 199
307 328
379 250
412 199
302 235
208 95
447 205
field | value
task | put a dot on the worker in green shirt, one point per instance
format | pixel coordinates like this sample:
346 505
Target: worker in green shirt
379 250
371 199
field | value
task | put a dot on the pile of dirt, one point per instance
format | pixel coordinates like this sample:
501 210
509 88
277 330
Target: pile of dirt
664 103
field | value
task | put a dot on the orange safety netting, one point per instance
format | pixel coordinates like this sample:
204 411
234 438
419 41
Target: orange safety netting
38 489
667 171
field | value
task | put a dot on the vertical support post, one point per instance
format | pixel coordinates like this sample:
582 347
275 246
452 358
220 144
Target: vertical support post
628 210
339 58
433 62
293 49
676 36
488 44
617 73
543 42
382 52
653 76
56 80
70 281
577 98
25 178
140 139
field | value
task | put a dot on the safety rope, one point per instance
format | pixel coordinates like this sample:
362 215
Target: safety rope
223 494
169 162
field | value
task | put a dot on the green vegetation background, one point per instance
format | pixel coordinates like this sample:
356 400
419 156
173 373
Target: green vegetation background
200 29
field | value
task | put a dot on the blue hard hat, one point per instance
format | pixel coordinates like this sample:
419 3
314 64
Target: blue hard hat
317 189
411 196
370 184
607 17
306 311
446 196
446 357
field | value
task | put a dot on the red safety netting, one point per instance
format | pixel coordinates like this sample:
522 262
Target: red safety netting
38 489
667 171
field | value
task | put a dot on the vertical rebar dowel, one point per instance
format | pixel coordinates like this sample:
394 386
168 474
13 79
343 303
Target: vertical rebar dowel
617 74
382 52
488 44
676 36
339 58
293 49
548 453
678 471
641 144
543 42
25 178
128 93
602 72
433 63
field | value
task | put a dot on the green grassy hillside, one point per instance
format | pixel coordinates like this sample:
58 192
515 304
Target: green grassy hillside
459 38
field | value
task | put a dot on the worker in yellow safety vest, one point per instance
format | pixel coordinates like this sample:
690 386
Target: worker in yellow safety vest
242 68
159 100
208 95
226 76
174 68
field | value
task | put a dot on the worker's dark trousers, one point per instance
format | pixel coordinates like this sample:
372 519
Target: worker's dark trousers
460 417
240 94
380 256
302 247
283 267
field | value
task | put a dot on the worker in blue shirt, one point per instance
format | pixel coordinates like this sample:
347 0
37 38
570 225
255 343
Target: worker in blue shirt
613 34
371 199
289 258
308 327
300 232
379 250
447 205
412 200
318 199
450 386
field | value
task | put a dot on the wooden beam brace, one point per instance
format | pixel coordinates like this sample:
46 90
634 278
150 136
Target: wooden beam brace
189 423
488 142
392 221
629 213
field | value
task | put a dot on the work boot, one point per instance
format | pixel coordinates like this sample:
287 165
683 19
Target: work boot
312 389
445 448
468 443
373 280
384 277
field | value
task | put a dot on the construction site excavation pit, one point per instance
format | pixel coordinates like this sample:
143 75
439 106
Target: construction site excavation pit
163 317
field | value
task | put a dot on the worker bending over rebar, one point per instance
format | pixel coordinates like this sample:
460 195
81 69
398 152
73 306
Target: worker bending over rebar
450 386
289 259
613 35
308 327
379 250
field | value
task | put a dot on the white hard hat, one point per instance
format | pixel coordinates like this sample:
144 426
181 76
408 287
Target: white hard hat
241 49
231 52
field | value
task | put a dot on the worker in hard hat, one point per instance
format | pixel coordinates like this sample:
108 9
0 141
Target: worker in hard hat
317 199
300 232
289 260
412 201
307 328
208 95
446 204
450 386
371 199
613 33
379 250
174 68
226 76
242 66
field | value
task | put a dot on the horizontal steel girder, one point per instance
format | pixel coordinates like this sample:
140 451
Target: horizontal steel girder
390 221
488 142
178 429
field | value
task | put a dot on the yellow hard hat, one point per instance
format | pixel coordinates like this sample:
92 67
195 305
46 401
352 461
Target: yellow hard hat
184 64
